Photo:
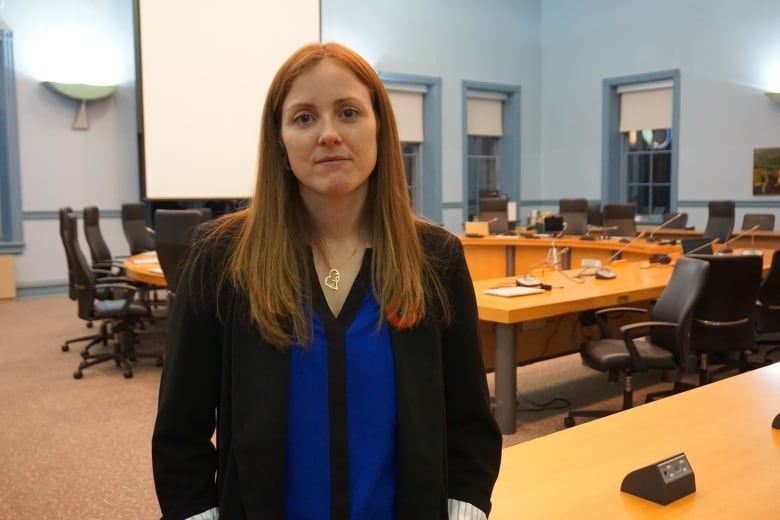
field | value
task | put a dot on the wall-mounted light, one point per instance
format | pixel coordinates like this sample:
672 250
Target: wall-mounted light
83 93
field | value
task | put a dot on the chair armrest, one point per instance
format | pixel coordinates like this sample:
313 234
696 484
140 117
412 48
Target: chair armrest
602 315
635 330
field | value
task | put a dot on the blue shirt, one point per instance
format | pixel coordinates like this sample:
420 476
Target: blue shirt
341 451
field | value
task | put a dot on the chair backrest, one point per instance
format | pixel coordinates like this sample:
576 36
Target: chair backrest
134 226
84 279
676 304
723 319
65 237
595 216
768 307
575 215
494 211
98 249
174 233
680 222
764 221
720 220
622 216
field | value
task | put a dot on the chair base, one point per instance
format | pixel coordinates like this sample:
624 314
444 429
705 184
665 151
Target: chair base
123 353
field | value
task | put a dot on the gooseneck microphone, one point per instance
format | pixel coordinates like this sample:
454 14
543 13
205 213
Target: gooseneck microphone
703 246
614 256
727 249
651 237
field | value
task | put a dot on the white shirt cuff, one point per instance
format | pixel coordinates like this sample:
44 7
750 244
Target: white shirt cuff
459 510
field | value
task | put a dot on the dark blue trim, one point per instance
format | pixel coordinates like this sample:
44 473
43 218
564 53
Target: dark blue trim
10 182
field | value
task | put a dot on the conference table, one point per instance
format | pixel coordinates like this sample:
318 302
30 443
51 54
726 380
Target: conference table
145 267
723 428
634 282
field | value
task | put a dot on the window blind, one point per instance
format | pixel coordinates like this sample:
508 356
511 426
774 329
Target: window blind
484 114
645 106
408 109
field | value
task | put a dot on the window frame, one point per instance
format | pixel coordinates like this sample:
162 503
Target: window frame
11 238
509 144
613 182
430 150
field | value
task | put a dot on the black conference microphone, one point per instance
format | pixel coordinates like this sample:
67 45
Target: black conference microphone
776 422
727 249
651 237
531 281
602 273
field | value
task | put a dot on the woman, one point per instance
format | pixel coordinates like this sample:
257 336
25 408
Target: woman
328 335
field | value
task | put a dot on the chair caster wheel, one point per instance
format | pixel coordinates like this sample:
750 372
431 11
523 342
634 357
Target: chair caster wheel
568 422
65 348
78 374
127 374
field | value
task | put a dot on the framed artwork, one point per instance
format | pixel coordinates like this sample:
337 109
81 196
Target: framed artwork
766 171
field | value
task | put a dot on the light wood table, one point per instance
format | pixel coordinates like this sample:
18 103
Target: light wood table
635 282
145 267
495 256
723 428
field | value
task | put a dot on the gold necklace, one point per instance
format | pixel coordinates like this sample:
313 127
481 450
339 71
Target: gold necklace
331 280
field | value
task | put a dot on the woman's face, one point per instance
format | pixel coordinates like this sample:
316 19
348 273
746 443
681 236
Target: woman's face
329 132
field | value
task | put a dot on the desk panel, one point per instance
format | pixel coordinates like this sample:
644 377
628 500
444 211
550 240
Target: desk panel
723 428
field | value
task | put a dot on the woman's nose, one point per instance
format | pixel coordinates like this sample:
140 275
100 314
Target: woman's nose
329 134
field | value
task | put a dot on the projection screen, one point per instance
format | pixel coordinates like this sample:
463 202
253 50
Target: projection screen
204 70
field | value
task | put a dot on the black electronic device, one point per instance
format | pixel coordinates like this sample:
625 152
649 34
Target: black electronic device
553 224
660 258
662 482
776 422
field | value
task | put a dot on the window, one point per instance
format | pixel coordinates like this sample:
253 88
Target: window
407 104
482 168
641 114
10 192
484 128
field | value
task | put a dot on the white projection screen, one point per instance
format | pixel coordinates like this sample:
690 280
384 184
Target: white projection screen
205 68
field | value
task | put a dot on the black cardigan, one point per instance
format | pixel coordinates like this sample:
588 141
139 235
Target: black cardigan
220 372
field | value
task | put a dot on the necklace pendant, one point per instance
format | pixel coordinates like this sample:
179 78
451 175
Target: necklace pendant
332 280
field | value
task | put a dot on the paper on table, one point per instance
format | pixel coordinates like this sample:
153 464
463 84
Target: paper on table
155 270
144 260
513 291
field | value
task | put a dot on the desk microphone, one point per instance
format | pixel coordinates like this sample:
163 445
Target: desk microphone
727 249
703 246
776 422
617 253
531 281
607 274
651 237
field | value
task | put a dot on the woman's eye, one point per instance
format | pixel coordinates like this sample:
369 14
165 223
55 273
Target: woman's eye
302 118
349 113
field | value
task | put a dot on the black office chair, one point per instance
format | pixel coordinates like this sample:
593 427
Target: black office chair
720 220
575 215
174 233
137 233
119 314
768 310
63 212
595 215
658 344
621 216
723 331
98 248
764 221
